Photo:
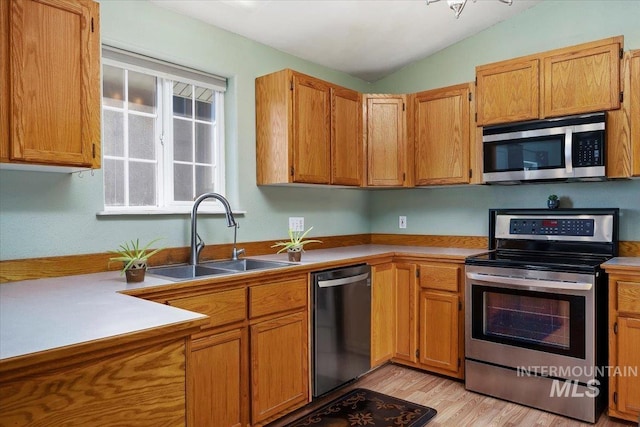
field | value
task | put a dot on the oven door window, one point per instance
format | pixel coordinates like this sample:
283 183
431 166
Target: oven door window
542 321
545 152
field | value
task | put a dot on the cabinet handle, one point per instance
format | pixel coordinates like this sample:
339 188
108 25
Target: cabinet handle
615 328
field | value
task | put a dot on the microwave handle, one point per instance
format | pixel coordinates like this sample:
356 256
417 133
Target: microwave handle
568 149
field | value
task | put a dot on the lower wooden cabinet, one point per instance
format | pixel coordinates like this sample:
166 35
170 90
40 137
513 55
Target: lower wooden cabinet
250 363
624 343
429 321
406 303
279 366
382 313
217 380
439 330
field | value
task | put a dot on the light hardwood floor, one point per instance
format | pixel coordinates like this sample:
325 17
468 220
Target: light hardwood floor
455 405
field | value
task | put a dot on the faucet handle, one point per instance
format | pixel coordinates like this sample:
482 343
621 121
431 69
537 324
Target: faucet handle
236 252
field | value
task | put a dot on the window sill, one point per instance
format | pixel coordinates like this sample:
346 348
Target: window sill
165 211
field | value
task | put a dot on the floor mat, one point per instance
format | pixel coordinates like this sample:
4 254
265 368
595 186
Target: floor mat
362 407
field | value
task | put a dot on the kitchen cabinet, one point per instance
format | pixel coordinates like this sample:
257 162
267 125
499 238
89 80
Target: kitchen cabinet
624 342
430 318
623 134
137 380
382 313
443 136
441 318
346 137
279 348
50 113
217 376
573 80
406 303
386 140
307 131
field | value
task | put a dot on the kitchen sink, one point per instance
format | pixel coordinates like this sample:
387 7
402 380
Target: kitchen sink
246 264
186 271
213 268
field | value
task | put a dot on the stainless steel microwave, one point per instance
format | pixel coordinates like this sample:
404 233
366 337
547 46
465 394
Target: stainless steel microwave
567 148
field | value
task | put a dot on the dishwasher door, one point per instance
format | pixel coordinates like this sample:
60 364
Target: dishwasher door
341 326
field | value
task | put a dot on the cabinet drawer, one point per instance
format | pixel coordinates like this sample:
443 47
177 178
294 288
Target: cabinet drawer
629 297
278 296
222 307
442 277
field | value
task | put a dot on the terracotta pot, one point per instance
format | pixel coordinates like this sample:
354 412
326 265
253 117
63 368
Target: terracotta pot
295 256
136 272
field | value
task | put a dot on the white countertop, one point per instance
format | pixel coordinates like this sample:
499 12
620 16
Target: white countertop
45 314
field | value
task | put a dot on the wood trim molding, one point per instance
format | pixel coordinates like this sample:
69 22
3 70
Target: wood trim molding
57 266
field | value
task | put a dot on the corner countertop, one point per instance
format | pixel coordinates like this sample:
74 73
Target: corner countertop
623 262
47 314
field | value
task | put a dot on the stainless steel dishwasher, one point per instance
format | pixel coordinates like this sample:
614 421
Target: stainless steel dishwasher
341 326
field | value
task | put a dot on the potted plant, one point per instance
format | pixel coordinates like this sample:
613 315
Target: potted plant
553 202
134 259
295 245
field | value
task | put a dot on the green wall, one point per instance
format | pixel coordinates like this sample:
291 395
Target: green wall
463 210
47 214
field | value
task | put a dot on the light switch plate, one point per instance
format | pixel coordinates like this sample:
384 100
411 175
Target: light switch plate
296 223
402 222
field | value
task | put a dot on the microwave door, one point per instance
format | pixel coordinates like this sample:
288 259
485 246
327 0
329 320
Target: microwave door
539 154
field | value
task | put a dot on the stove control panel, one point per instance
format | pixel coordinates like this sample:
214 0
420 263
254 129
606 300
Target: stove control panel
567 227
552 227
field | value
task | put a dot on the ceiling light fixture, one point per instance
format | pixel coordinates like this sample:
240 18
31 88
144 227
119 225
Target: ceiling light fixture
458 5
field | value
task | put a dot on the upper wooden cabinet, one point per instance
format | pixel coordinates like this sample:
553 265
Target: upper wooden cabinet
307 131
508 91
346 137
623 133
573 80
442 135
50 113
386 137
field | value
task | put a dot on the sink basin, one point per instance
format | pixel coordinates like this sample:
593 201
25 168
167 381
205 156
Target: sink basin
213 268
186 271
246 264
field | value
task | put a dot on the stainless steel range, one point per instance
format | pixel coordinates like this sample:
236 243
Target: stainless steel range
536 309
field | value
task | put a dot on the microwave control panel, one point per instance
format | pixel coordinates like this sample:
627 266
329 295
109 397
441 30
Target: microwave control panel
588 149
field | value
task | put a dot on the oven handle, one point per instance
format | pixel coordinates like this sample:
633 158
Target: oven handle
538 283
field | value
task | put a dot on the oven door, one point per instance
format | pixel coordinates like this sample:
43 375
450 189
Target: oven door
528 319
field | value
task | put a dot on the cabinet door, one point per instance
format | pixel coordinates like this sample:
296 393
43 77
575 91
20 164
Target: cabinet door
279 366
438 330
217 380
582 81
311 130
55 82
382 313
346 137
629 356
386 140
442 136
406 312
634 94
508 92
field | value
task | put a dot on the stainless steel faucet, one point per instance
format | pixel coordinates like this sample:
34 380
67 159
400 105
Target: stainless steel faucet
197 244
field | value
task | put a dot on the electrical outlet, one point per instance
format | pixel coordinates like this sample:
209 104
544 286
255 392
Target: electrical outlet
402 222
296 223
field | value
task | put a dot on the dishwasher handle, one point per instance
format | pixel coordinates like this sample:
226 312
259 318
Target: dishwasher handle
343 281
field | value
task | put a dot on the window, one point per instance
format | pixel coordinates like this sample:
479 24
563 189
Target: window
163 134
